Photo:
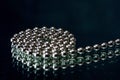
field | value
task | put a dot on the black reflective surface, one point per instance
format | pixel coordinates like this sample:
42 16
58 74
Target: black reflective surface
90 21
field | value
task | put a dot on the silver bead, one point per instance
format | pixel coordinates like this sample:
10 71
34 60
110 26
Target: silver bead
72 51
72 62
88 59
96 57
80 61
68 46
46 55
12 39
117 42
110 54
88 49
65 42
111 43
70 35
15 35
63 53
80 50
72 39
96 47
60 30
21 32
52 28
104 45
55 55
103 55
66 32
27 30
117 52
46 67
55 66
36 28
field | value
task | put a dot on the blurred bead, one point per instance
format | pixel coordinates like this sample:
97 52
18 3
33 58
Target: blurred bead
66 32
104 45
110 54
96 47
80 50
36 28
46 55
55 66
15 35
80 61
64 53
68 46
72 51
70 35
72 39
103 55
27 30
117 42
72 62
55 55
12 39
96 57
21 32
52 28
46 67
88 49
117 52
88 59
111 43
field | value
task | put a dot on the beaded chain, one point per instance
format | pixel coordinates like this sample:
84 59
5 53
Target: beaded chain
55 48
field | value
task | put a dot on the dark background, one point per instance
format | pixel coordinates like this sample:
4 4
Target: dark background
91 21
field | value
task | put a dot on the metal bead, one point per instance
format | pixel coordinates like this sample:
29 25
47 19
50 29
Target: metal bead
27 30
63 53
104 45
52 28
117 42
103 55
46 55
66 32
21 32
72 52
70 35
55 67
88 49
72 62
110 54
111 43
60 30
15 35
46 67
117 52
12 39
80 61
96 57
96 47
80 50
55 55
36 28
88 59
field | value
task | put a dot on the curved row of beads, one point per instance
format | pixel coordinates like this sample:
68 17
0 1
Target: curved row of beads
98 47
99 52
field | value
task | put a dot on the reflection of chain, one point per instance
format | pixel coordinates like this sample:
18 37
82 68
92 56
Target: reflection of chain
54 48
